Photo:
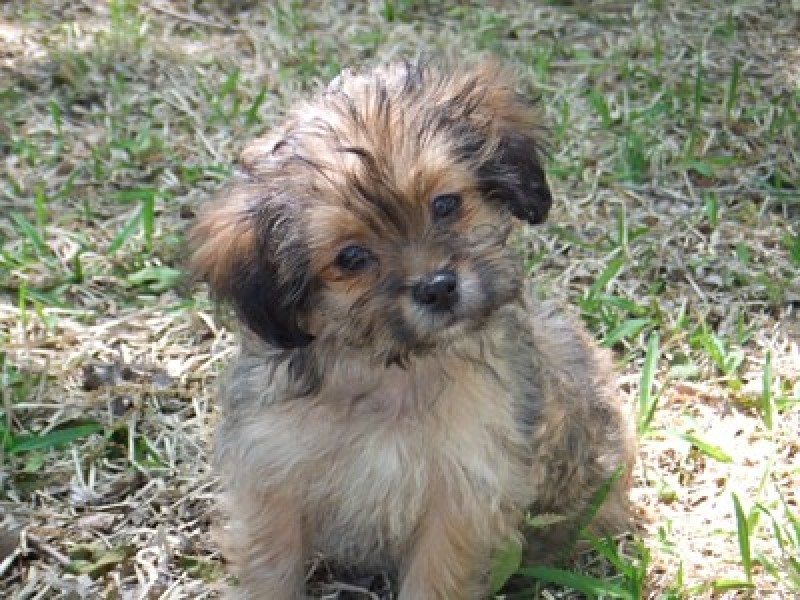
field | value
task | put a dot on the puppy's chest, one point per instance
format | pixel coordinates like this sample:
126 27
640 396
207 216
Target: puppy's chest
407 440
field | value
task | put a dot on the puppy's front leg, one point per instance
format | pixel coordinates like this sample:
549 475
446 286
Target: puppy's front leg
266 543
447 559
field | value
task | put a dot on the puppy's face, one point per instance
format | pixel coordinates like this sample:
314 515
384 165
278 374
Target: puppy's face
377 216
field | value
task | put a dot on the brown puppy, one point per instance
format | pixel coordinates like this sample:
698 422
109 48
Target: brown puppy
400 400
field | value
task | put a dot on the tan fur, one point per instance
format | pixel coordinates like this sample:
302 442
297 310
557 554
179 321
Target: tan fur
359 421
220 238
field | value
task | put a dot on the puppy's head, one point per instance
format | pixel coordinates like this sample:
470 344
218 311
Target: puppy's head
377 216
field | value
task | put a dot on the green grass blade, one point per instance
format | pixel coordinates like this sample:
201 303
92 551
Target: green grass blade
600 105
711 208
647 400
768 565
40 206
251 116
792 245
627 329
125 233
55 113
138 194
148 220
711 450
610 272
781 539
591 586
543 520
55 438
230 84
77 268
607 548
743 534
504 565
30 232
623 304
158 279
658 50
622 227
727 585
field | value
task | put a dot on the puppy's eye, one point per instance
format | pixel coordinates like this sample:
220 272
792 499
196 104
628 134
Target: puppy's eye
445 205
353 258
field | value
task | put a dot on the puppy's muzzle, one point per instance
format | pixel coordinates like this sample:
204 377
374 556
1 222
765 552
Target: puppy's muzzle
437 291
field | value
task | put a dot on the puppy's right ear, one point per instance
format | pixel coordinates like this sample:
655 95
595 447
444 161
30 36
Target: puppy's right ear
245 248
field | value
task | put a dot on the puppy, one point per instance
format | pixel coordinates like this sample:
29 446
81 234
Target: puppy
400 401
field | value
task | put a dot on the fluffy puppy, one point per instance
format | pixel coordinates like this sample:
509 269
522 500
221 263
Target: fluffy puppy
400 401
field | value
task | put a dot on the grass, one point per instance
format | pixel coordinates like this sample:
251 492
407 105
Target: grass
675 168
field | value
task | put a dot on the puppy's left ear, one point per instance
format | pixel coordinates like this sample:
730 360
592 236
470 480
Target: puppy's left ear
511 170
515 176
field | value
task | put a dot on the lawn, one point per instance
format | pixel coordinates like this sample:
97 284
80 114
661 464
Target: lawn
675 235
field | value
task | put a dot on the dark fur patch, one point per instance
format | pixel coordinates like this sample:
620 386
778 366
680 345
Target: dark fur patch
530 396
402 335
270 289
304 371
516 178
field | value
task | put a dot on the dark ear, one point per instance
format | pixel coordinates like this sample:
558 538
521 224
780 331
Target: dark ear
515 177
248 249
505 130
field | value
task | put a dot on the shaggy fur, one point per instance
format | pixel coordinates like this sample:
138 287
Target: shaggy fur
400 401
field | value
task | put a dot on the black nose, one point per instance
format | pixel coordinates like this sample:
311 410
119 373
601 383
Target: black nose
437 291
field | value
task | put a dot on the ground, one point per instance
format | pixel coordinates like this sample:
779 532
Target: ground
675 138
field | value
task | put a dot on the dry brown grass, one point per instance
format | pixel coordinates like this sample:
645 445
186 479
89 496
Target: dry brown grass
678 177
